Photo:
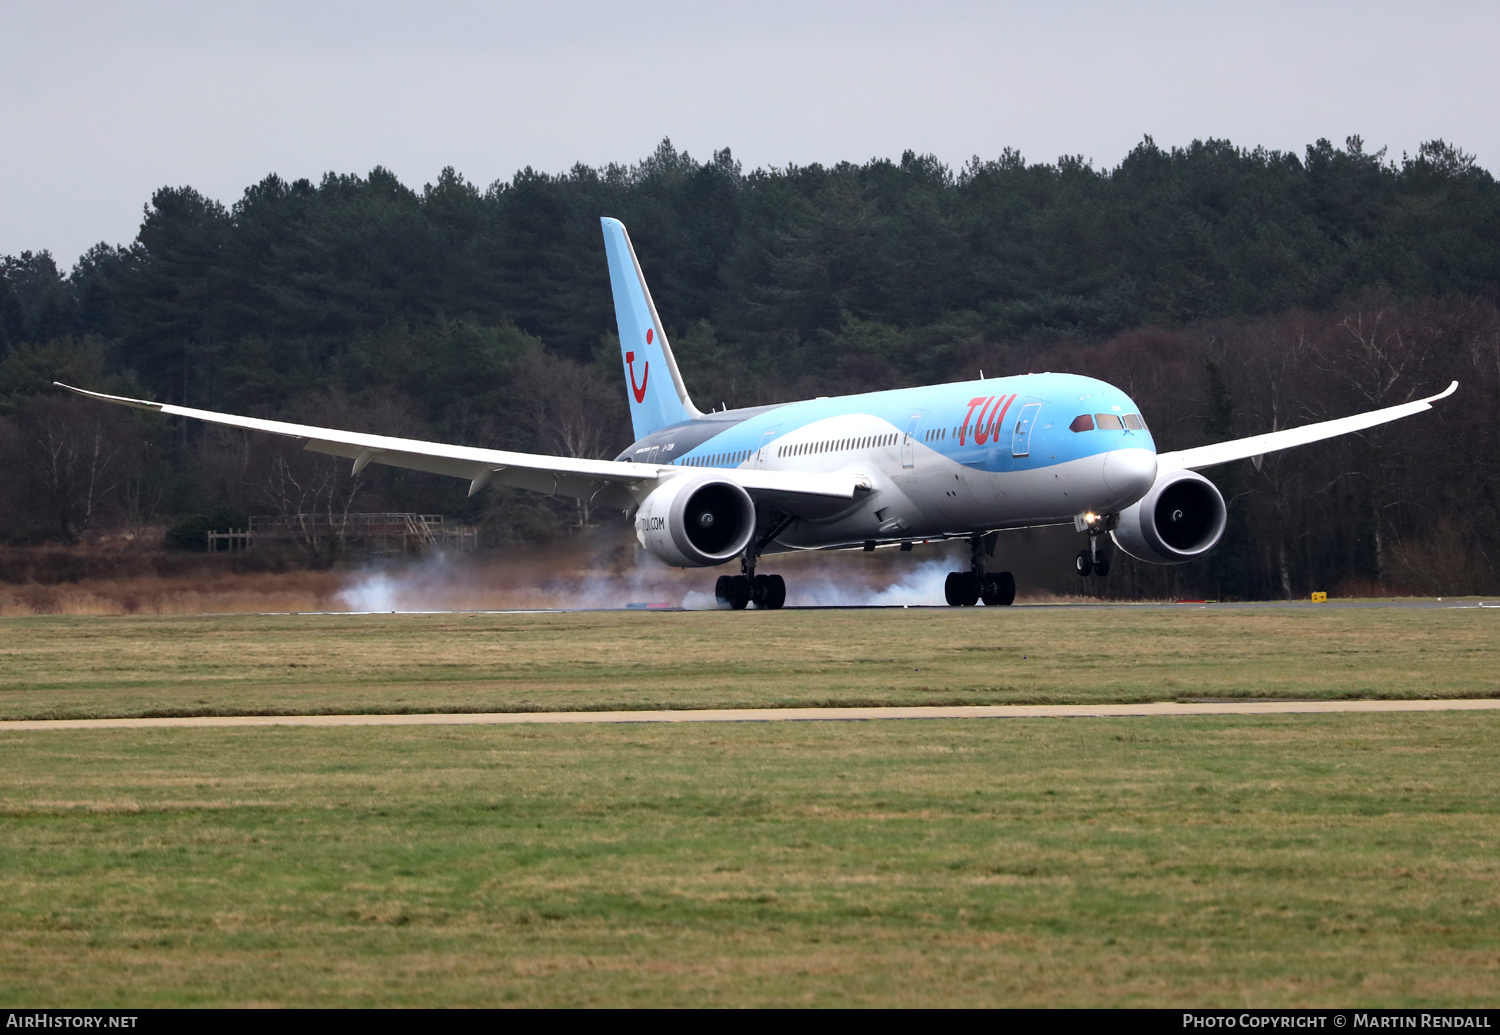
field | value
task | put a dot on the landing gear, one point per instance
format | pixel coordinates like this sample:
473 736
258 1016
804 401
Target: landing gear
998 589
733 591
1092 561
961 589
766 592
967 588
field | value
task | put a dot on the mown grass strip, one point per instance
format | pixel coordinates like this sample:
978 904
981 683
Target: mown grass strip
1330 860
69 667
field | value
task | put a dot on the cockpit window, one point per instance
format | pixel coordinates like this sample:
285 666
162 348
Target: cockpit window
1133 422
1108 422
1082 422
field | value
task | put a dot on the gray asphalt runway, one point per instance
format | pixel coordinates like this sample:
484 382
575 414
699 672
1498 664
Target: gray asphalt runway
1212 605
995 711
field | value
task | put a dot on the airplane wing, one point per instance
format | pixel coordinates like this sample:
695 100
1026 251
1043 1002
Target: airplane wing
1258 445
609 483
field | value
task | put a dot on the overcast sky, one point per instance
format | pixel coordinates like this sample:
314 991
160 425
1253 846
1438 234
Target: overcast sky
102 103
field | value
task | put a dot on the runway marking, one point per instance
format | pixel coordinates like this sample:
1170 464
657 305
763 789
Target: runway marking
976 711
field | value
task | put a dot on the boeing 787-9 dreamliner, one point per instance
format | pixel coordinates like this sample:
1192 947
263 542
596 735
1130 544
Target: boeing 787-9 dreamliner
892 468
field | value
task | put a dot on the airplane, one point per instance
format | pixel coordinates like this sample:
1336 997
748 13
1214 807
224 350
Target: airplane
879 469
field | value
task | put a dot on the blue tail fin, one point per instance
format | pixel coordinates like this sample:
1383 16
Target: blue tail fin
657 395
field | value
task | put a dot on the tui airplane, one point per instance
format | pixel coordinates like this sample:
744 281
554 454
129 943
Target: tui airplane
881 469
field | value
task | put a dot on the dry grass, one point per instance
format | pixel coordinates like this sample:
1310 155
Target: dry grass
174 595
603 568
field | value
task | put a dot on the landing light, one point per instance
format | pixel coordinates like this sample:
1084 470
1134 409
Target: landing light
1089 521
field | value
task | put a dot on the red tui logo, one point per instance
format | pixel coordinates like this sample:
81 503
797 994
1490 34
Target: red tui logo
989 421
639 392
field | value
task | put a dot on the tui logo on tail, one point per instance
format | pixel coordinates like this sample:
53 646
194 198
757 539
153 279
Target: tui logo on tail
640 392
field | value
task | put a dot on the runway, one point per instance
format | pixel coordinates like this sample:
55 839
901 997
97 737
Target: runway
980 711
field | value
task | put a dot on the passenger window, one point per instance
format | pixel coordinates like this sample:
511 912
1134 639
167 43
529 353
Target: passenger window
1108 422
1133 421
1082 422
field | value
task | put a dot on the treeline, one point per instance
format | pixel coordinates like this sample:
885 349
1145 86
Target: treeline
1226 288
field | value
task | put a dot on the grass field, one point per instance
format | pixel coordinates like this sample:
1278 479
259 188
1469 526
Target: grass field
1288 861
1297 860
81 667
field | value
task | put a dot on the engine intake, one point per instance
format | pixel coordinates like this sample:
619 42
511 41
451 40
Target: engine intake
695 522
1180 518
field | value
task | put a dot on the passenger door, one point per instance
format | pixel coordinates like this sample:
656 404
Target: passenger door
909 443
765 448
1020 441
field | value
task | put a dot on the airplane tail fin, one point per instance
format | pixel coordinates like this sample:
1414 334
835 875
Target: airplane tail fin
656 393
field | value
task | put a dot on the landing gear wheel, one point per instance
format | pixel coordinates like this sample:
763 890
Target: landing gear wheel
768 592
733 591
1101 565
987 589
998 590
961 589
1084 564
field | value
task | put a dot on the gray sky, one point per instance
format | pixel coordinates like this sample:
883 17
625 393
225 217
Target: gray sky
102 103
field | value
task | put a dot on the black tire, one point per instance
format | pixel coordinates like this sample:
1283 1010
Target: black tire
739 592
961 589
768 592
999 589
1007 589
1101 565
950 588
721 590
971 589
1084 563
775 593
989 591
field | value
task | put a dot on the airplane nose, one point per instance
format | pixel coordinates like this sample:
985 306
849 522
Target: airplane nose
1130 473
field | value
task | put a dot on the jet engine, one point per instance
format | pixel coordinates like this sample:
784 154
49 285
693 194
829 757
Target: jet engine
1182 517
695 522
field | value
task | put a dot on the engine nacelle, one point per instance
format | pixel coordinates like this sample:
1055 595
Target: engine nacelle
695 522
1181 518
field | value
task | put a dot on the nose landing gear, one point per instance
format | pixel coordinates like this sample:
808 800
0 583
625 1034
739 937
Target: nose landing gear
1092 561
967 588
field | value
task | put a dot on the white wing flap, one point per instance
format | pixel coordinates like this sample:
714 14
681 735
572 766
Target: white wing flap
604 482
1245 448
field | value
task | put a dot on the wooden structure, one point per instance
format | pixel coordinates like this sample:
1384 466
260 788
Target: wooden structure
363 533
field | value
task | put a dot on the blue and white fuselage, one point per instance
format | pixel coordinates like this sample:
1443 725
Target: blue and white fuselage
939 460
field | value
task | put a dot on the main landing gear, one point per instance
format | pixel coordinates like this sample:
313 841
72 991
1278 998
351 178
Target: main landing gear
967 588
767 592
739 591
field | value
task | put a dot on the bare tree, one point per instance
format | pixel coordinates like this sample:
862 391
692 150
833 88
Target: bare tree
77 455
573 410
312 492
1381 361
